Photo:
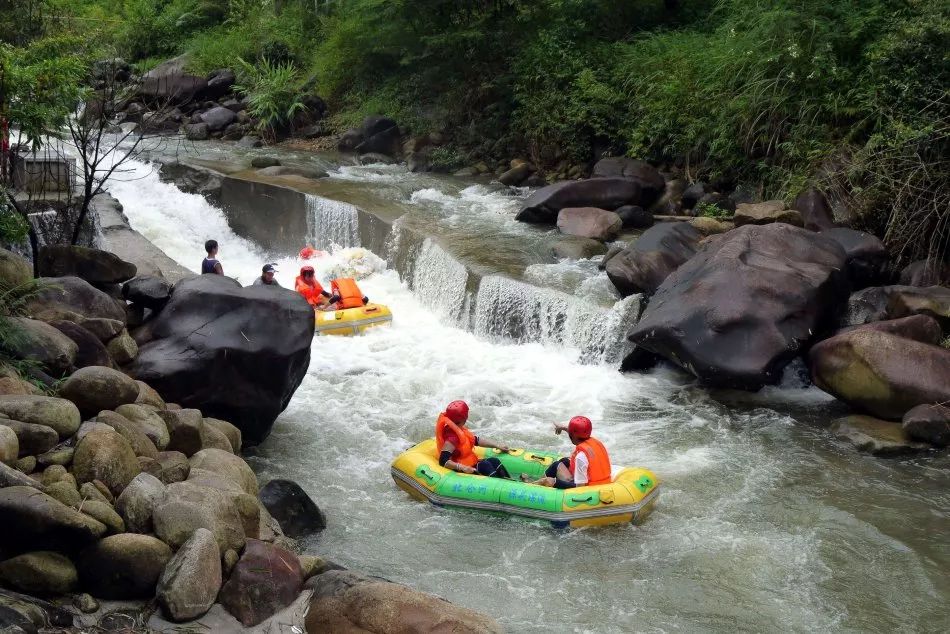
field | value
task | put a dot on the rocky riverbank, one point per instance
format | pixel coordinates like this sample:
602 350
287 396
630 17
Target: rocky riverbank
738 289
124 509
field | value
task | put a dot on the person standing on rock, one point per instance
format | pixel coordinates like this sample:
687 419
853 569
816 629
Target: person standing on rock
267 276
455 444
588 465
308 286
210 264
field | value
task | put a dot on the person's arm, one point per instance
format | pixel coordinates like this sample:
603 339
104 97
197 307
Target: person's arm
445 460
559 428
485 442
218 268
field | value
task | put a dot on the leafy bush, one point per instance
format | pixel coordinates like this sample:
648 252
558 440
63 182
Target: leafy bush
709 210
273 94
13 227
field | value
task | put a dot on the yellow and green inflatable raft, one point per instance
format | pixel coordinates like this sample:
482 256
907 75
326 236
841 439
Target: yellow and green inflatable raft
352 321
629 498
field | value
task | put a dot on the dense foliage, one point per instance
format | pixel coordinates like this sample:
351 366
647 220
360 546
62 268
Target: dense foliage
851 94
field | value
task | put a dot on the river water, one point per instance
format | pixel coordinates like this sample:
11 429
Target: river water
765 523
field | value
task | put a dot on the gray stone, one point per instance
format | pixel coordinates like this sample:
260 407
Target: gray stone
148 396
40 342
67 297
765 213
190 582
62 457
96 388
227 465
125 566
108 457
642 266
92 265
104 513
150 422
123 348
188 506
293 509
141 444
64 492
929 423
231 432
218 118
34 520
57 413
175 467
876 437
42 573
32 439
589 222
103 329
137 502
150 291
197 131
9 446
10 477
184 430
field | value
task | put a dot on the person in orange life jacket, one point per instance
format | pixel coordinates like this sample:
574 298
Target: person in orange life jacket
308 286
455 444
346 294
588 465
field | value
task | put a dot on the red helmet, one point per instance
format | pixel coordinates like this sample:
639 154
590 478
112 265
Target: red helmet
306 269
580 427
457 411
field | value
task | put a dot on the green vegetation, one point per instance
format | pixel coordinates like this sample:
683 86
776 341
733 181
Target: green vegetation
709 210
273 93
850 95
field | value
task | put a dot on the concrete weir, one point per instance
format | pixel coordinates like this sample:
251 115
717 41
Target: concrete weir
462 277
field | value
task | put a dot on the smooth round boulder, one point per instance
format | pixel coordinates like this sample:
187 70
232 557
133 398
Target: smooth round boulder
11 476
89 350
922 328
174 465
137 502
125 566
815 211
589 222
867 256
212 438
40 342
104 513
33 520
108 457
644 174
188 506
228 465
58 414
294 510
643 265
67 297
192 578
103 329
98 388
229 431
881 373
148 396
141 444
767 212
150 291
266 579
123 348
43 573
149 422
928 423
635 217
185 429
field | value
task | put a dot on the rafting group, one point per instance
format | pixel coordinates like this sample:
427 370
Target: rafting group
343 310
458 468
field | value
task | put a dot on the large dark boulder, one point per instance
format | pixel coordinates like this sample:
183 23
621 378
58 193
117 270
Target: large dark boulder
150 291
642 266
293 509
646 175
635 217
33 520
922 328
380 136
220 82
815 211
881 373
169 84
867 256
929 423
92 265
218 118
234 353
746 304
542 206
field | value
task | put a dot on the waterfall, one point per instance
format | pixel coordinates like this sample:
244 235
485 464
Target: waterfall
439 281
509 309
332 223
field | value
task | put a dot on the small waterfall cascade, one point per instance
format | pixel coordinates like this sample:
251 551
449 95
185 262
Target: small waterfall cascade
332 223
439 281
521 312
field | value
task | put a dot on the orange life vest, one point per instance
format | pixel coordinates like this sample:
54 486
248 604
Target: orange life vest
349 292
463 451
598 462
310 292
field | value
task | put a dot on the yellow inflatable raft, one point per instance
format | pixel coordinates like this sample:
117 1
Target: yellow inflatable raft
352 321
629 498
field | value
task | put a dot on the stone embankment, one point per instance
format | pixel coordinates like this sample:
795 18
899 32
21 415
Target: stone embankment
124 498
